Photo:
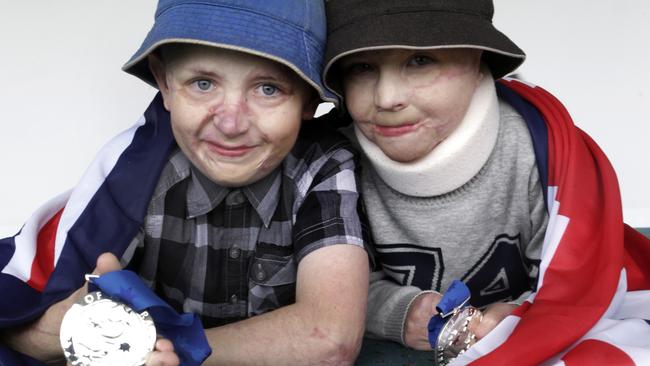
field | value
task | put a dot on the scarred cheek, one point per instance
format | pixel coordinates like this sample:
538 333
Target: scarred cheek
362 109
444 78
463 70
454 73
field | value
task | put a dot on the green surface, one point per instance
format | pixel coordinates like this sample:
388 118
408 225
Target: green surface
645 231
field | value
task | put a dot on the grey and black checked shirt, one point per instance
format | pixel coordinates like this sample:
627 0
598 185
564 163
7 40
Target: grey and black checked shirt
231 253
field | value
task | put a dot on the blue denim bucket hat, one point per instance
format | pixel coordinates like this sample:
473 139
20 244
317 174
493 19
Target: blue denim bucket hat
291 32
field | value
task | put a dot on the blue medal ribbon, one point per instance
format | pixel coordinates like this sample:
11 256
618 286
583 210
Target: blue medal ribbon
185 330
456 297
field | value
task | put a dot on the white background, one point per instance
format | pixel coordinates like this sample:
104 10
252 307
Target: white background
62 94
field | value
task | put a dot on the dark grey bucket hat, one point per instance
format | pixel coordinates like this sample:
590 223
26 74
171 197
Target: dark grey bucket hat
360 25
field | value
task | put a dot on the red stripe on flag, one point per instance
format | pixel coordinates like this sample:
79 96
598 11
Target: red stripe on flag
595 352
590 251
43 263
522 309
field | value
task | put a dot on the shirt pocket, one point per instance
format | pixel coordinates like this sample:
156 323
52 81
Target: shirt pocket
272 283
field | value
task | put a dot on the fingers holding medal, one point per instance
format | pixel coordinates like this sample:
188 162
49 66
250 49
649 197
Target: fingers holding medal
449 330
100 331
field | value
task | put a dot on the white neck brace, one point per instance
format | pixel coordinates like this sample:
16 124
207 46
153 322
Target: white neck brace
455 160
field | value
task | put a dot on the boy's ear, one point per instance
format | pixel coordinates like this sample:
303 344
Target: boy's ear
159 72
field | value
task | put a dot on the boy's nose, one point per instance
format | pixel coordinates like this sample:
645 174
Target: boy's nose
389 95
232 118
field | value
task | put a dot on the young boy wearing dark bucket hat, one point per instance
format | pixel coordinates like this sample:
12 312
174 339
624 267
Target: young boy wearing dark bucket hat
488 183
221 199
449 175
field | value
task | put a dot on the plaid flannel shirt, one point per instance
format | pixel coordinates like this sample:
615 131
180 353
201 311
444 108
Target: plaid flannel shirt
231 253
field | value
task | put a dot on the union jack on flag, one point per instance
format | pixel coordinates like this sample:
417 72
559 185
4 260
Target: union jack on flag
47 260
592 303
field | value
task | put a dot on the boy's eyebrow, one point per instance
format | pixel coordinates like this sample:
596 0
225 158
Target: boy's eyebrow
202 71
274 74
272 77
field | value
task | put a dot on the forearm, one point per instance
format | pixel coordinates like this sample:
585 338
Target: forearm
286 336
324 326
40 338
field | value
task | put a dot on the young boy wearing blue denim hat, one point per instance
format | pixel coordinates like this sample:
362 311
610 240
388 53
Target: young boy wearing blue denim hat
449 176
251 217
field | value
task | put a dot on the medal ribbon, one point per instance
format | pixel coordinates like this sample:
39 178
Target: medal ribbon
456 297
185 330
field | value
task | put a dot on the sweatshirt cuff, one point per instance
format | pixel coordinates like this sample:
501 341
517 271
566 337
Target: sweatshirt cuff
397 319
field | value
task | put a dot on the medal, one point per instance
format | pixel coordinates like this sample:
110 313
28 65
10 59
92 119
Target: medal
455 337
99 331
449 333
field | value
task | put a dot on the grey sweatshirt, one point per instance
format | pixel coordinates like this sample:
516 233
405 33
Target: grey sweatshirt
487 231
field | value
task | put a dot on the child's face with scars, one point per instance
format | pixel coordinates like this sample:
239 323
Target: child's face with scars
235 116
408 101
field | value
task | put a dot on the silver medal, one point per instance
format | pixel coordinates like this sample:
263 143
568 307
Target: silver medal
99 331
455 337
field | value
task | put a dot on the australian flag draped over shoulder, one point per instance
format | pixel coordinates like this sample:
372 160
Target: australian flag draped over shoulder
593 297
47 260
592 303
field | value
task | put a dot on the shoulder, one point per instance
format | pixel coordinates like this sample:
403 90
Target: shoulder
175 170
513 128
322 160
319 147
514 153
509 115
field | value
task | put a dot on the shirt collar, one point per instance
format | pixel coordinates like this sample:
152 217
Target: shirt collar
264 195
203 195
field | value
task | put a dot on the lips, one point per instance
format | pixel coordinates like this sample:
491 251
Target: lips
229 151
394 131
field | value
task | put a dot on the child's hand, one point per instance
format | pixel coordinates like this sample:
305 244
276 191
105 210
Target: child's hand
163 354
416 332
106 262
492 316
40 339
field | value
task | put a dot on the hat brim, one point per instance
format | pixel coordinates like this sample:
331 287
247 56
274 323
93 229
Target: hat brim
420 30
234 29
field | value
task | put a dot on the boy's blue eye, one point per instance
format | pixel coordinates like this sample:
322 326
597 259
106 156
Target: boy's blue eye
268 89
204 85
420 60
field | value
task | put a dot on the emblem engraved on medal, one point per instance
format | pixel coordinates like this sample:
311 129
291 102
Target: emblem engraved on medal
455 336
99 331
